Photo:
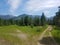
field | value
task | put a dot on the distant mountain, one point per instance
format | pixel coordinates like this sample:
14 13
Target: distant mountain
21 16
17 17
6 16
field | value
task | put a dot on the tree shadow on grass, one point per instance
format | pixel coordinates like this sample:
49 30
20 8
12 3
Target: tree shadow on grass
47 41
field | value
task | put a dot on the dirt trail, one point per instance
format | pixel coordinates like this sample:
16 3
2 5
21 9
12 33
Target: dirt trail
46 38
20 35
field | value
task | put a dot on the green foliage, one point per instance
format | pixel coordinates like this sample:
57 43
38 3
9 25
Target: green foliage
57 18
36 21
25 20
32 26
56 34
43 20
38 30
1 22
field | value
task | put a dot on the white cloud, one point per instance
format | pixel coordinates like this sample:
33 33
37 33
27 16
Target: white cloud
36 5
46 13
14 4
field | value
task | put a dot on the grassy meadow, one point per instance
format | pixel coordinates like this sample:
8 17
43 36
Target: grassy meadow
10 35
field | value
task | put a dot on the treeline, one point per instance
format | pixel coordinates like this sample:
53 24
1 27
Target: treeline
56 19
25 21
33 20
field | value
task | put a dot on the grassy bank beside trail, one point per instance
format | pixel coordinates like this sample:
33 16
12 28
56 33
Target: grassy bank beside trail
56 34
7 39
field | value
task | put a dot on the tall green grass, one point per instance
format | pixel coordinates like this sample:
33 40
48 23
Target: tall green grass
8 29
56 34
32 31
13 40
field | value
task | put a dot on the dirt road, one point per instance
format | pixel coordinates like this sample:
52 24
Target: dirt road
46 38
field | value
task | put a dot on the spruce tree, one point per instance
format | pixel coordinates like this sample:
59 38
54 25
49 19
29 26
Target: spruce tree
43 20
57 18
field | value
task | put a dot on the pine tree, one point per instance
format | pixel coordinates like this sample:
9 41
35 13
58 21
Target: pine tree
36 21
57 18
43 20
26 20
1 22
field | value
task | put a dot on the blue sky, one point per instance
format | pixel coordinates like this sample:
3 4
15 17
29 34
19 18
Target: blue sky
31 7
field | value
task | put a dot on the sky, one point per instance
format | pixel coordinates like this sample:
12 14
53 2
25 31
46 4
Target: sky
31 7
